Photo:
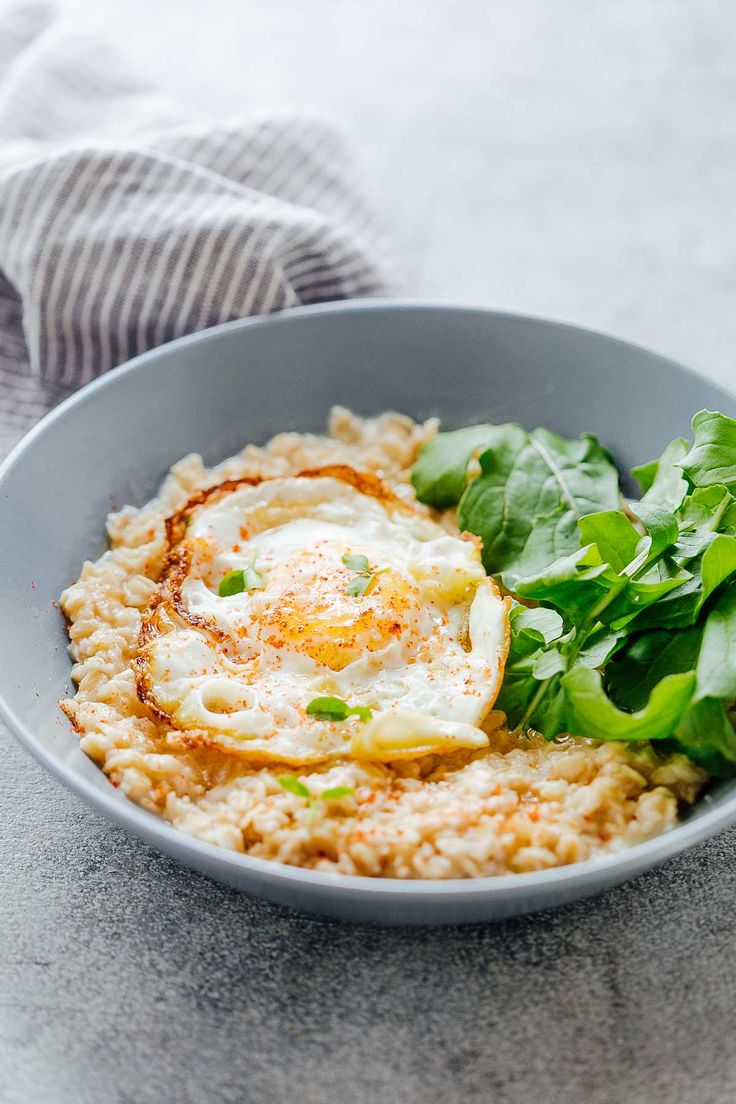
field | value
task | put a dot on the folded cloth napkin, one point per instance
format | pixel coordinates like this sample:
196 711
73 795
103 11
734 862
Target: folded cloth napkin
125 221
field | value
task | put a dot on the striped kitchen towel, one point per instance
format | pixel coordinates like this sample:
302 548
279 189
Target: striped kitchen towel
125 221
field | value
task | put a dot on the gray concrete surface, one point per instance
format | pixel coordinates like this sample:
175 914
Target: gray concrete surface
574 158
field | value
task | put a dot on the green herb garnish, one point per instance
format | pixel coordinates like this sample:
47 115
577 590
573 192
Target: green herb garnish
365 578
235 582
631 634
357 587
355 562
293 785
335 709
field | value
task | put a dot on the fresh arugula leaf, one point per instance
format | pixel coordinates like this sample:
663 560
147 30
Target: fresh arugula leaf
531 492
650 586
551 537
518 698
574 584
634 634
718 563
591 713
716 668
663 480
600 645
517 691
633 674
549 663
675 610
544 625
629 553
712 458
355 562
645 474
703 513
706 735
661 526
335 709
584 588
293 785
615 537
531 631
549 714
708 572
439 474
336 793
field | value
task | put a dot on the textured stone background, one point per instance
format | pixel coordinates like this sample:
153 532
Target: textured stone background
574 158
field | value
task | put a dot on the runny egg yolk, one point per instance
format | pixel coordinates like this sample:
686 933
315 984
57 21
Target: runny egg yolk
306 607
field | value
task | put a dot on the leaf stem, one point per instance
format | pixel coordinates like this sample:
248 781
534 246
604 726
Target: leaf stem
536 701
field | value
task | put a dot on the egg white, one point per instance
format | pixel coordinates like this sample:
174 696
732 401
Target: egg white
424 648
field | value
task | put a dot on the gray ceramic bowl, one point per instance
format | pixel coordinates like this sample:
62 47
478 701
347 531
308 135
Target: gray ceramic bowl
114 440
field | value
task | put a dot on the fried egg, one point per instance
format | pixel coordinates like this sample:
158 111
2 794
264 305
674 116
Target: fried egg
282 591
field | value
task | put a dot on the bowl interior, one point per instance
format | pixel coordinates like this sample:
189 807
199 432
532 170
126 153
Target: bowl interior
212 392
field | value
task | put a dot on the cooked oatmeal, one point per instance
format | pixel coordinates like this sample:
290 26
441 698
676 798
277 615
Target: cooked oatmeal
521 804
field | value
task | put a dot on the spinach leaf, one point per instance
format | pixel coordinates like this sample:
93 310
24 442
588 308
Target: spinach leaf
584 588
675 610
551 537
635 558
716 668
532 490
615 537
712 458
718 563
533 626
713 563
650 586
591 713
549 715
707 736
633 631
633 673
661 526
532 630
645 474
703 513
517 691
439 474
574 585
663 480
600 645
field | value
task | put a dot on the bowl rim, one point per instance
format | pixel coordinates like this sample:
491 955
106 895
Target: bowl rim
155 829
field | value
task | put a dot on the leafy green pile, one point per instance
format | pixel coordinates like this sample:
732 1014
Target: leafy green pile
623 625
